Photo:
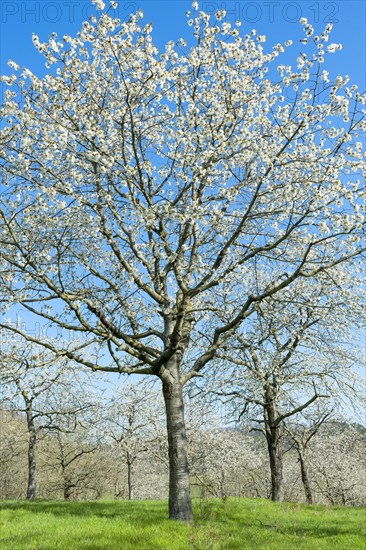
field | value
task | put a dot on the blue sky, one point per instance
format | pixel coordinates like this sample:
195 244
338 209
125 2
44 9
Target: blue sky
275 18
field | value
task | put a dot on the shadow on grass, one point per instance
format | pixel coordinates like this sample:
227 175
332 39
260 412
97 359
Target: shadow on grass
131 511
246 516
82 542
309 522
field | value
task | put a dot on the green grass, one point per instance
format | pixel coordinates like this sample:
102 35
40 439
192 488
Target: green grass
235 524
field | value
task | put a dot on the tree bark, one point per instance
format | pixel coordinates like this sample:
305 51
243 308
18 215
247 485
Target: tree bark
180 505
32 431
305 479
130 480
274 444
276 465
222 484
68 487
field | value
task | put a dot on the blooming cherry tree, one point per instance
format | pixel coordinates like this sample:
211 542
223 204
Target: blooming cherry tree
296 353
301 434
131 420
136 181
47 389
336 464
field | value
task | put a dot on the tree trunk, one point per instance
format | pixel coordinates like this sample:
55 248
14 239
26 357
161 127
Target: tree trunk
222 484
305 479
276 465
274 441
31 487
180 505
130 480
68 487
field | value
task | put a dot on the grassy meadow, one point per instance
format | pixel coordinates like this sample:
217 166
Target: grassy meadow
137 525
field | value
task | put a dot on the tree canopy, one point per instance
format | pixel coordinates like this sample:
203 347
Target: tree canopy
140 186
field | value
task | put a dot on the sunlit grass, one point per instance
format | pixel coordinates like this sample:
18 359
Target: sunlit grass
234 524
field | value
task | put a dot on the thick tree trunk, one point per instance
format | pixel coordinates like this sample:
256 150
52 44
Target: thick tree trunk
305 479
180 505
31 487
276 465
274 444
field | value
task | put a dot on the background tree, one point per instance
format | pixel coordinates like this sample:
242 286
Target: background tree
13 454
301 435
227 462
224 462
336 460
132 418
136 182
25 370
68 458
298 352
45 388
